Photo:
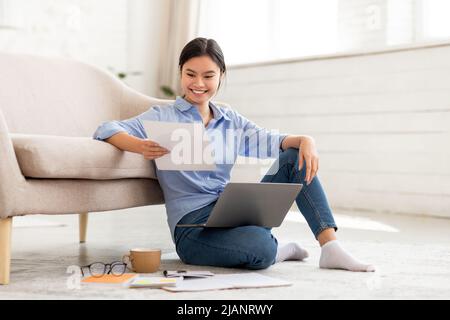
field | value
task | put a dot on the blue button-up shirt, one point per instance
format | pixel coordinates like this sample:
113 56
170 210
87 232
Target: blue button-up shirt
186 191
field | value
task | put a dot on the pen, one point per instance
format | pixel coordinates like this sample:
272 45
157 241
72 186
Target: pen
166 272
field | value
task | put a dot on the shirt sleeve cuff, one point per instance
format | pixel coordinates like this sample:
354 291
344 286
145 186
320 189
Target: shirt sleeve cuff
107 130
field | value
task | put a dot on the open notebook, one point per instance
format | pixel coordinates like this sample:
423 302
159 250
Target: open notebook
228 281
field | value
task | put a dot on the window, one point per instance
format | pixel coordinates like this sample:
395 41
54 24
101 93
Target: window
263 30
260 30
436 23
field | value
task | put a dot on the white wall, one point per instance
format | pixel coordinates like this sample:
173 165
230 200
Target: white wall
381 122
90 31
125 35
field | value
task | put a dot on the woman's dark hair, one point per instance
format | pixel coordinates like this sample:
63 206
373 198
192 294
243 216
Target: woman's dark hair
203 47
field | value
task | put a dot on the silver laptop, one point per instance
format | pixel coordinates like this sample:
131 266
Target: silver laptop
258 204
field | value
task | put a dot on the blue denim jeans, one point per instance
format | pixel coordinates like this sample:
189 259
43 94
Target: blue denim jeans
252 247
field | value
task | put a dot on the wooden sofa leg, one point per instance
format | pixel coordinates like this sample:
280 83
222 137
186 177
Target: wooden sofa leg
5 249
83 222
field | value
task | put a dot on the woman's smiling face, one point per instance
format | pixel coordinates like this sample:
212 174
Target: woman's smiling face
200 78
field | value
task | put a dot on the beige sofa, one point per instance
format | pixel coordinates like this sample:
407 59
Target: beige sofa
49 162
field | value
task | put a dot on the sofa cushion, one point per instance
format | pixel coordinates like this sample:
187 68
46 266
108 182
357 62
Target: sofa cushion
43 156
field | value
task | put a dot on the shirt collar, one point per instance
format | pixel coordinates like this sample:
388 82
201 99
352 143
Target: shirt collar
183 105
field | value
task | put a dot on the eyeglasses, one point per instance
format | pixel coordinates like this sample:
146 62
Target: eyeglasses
98 269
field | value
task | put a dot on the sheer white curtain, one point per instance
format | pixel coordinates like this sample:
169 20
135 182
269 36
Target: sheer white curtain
183 24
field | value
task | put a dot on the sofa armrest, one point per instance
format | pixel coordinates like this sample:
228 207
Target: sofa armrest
10 175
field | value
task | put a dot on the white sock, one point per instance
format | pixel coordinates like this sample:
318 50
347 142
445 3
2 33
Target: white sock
335 257
290 251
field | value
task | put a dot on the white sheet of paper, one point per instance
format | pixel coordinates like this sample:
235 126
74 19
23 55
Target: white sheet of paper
229 281
187 143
